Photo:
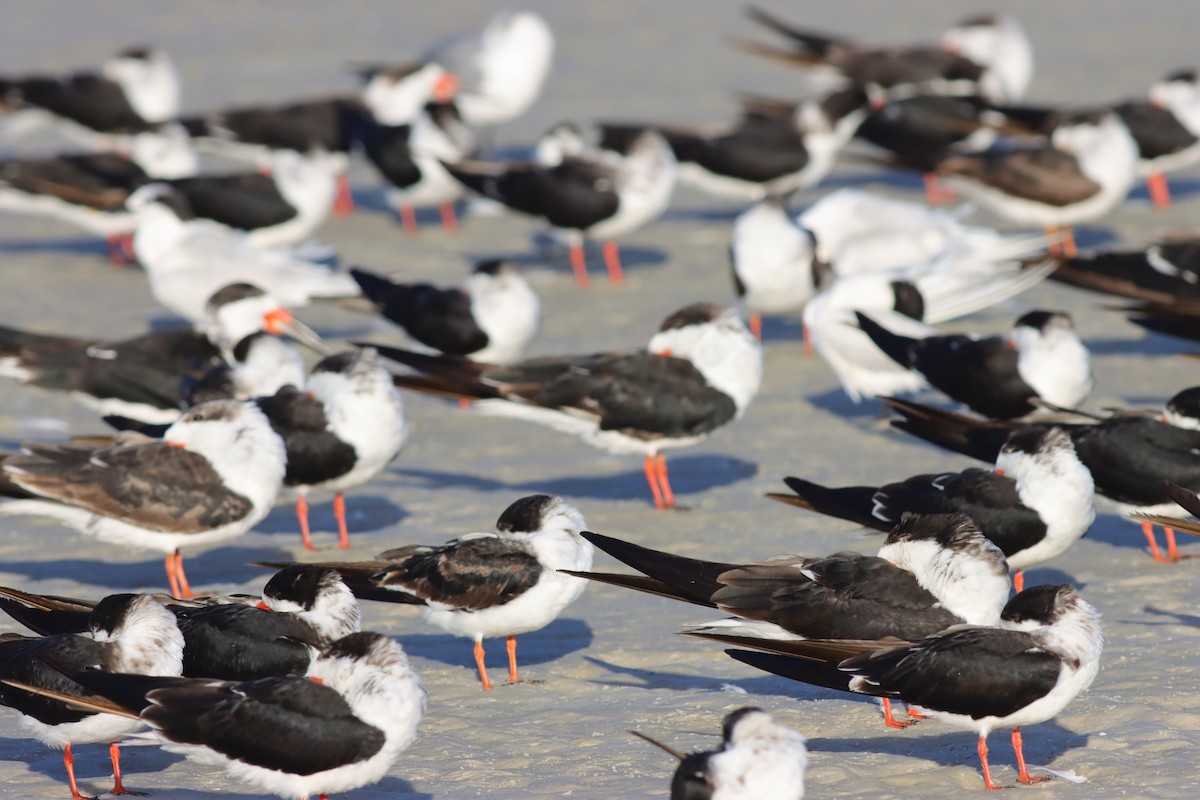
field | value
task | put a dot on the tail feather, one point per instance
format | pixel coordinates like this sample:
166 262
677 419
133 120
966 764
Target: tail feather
376 287
898 348
357 577
977 438
851 503
45 614
687 579
818 43
640 583
814 673
1186 498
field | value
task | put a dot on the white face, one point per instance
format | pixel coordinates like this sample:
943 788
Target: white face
166 153
234 321
724 351
396 101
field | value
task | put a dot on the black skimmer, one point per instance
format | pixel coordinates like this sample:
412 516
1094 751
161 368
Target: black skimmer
1167 129
698 373
89 189
908 301
1130 456
213 477
988 54
1038 502
410 159
1001 377
932 572
586 197
492 317
1083 171
130 92
487 584
757 758
186 259
340 727
500 69
1045 652
341 432
123 633
1164 274
233 352
775 266
767 152
302 608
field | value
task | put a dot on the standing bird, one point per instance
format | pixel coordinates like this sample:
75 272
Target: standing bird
486 584
134 90
123 633
1081 173
1000 377
1038 502
213 477
758 758
1045 652
341 726
698 373
601 195
341 432
492 317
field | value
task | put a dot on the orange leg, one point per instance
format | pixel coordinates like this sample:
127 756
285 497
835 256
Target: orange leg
1054 246
1068 242
914 713
889 719
579 266
344 203
408 219
756 326
1019 581
652 479
302 515
172 581
1023 775
114 752
1148 530
807 349
987 772
69 762
513 677
935 194
664 483
612 261
339 513
185 589
449 217
116 250
1160 192
1172 548
487 685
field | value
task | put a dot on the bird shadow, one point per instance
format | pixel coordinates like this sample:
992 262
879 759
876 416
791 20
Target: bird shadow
560 638
83 246
92 764
1088 237
837 402
1171 617
690 475
653 679
1038 576
1180 188
1152 344
220 566
783 329
1048 741
364 513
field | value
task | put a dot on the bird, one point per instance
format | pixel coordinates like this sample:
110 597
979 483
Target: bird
592 197
774 149
1037 503
908 301
213 477
933 571
482 585
234 351
1163 274
124 632
1167 129
302 609
500 70
1083 171
409 156
775 267
129 93
186 260
341 726
1042 361
758 758
698 373
339 433
1129 455
89 189
1045 652
491 318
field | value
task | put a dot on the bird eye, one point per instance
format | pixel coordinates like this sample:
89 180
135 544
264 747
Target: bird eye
197 417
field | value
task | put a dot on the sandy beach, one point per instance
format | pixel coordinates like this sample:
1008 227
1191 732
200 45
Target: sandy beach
612 663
